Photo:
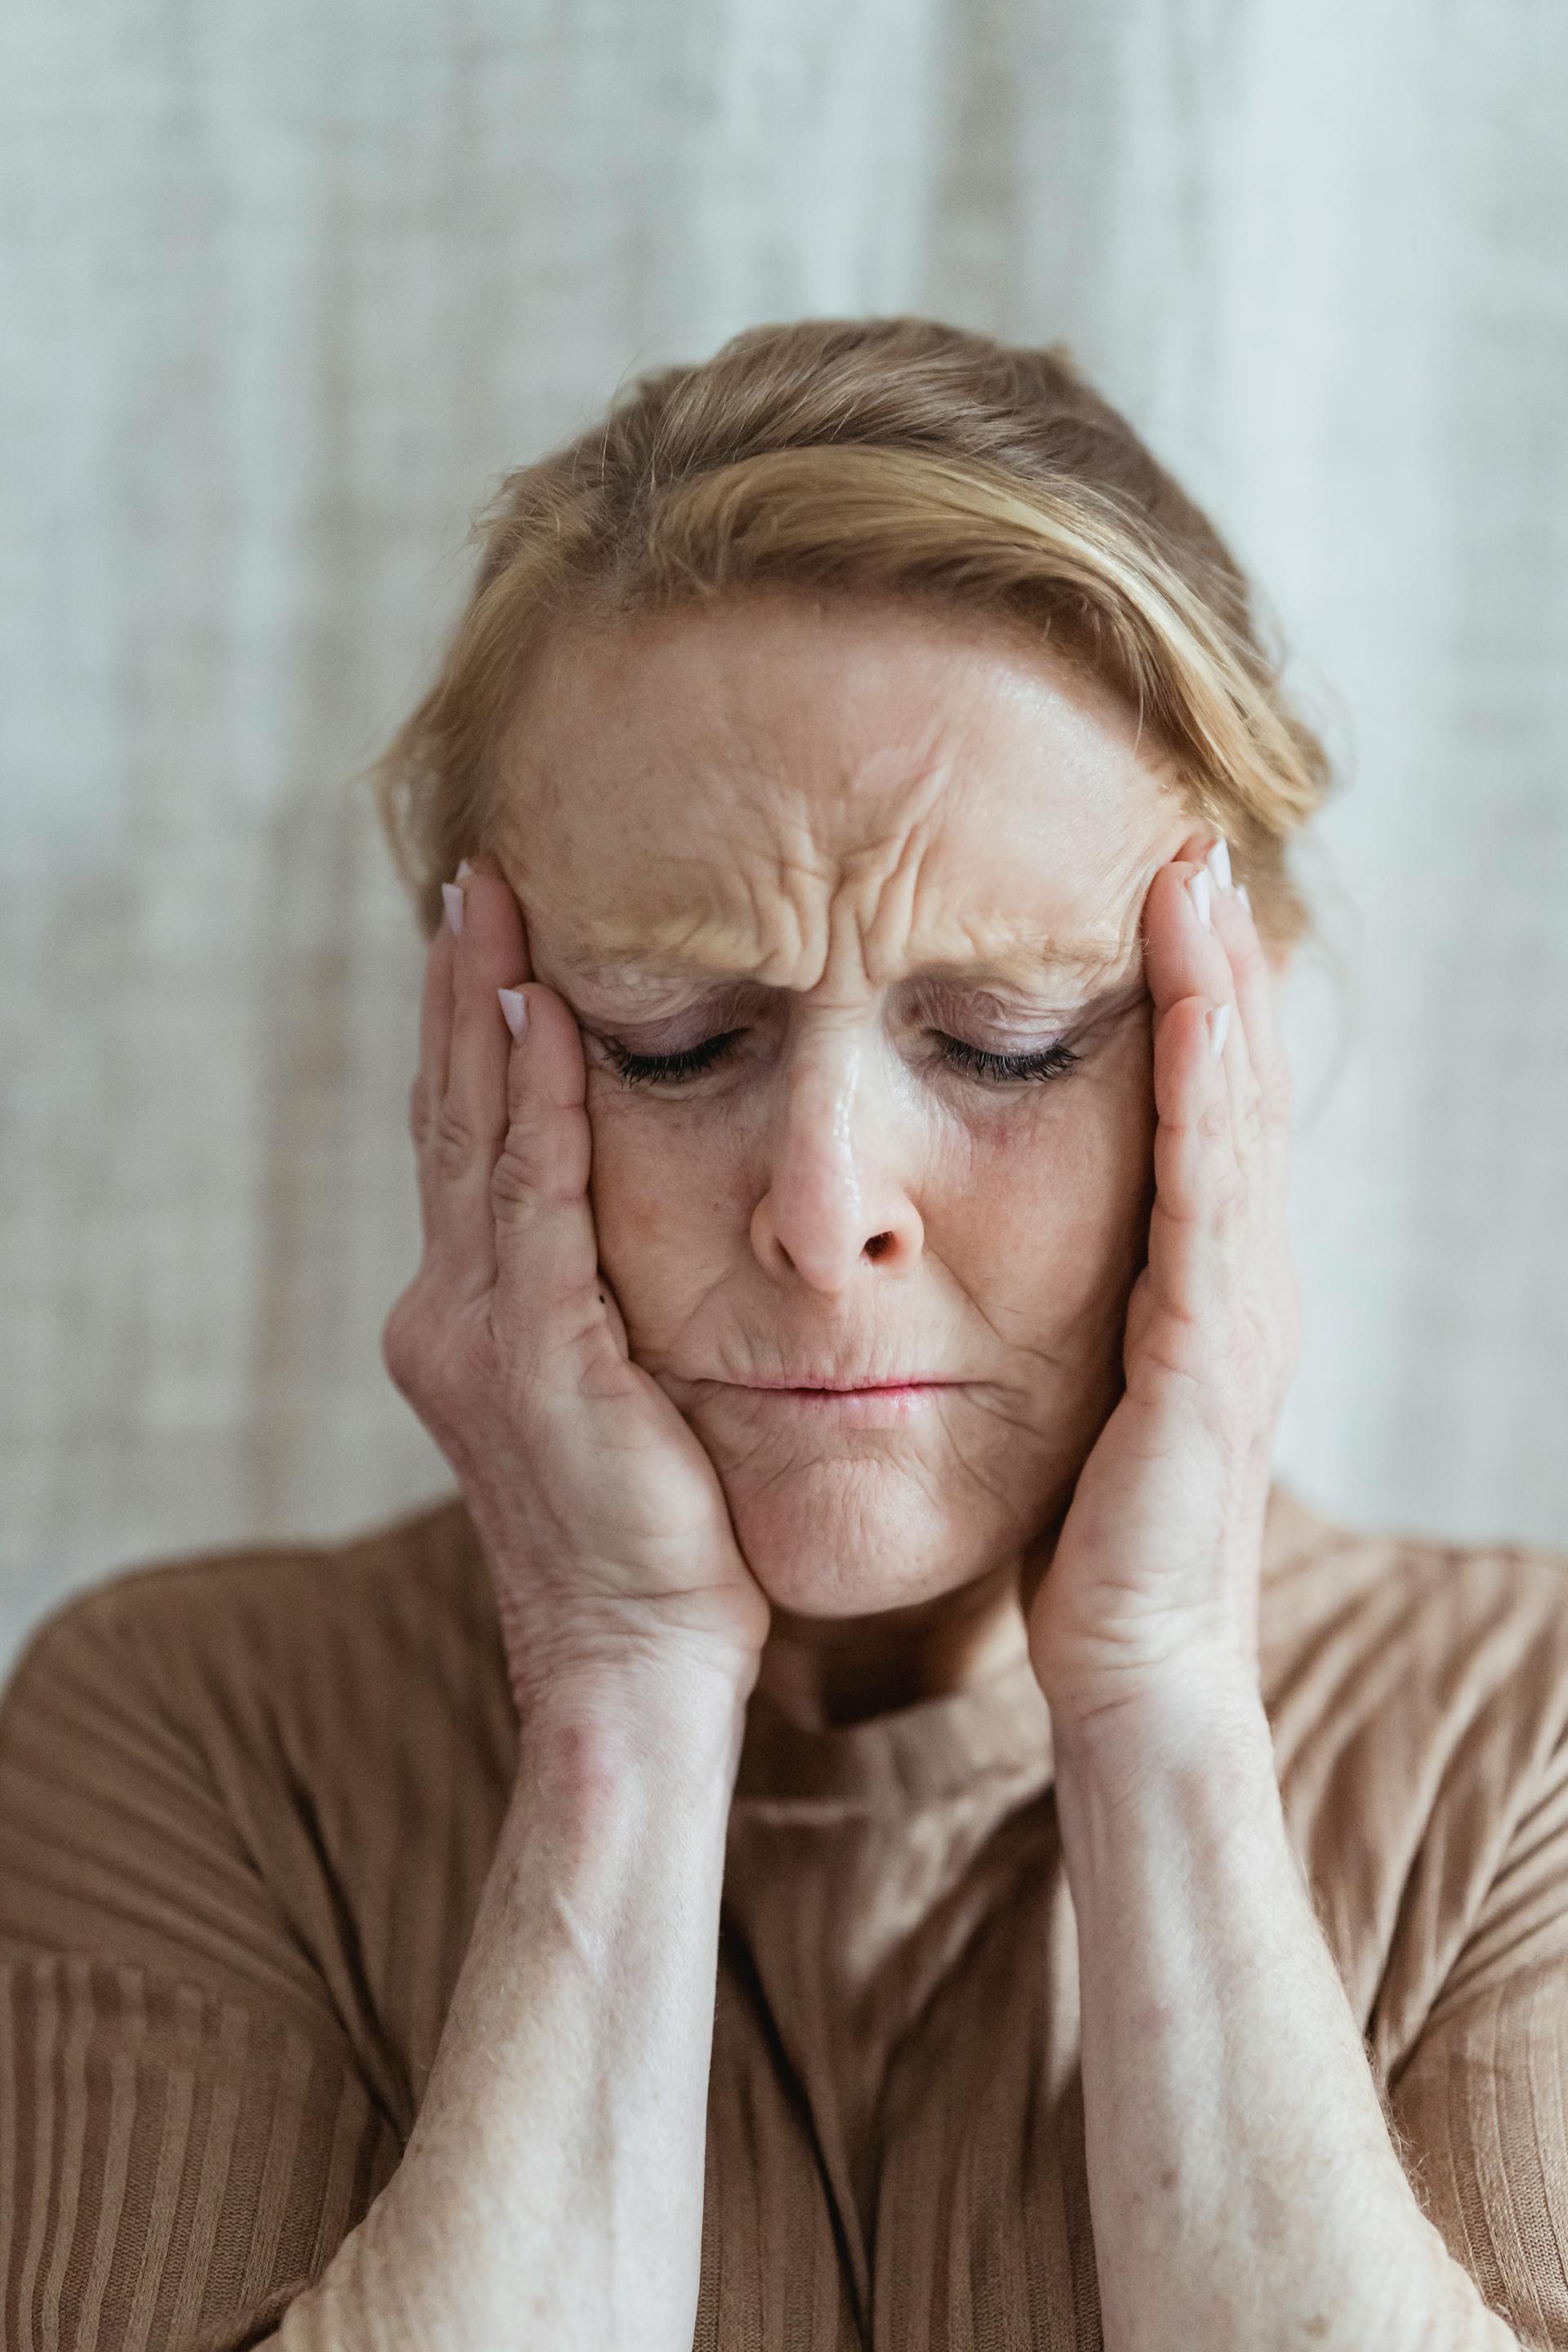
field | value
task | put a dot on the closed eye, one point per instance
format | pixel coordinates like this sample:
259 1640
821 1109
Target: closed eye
975 1060
1003 1068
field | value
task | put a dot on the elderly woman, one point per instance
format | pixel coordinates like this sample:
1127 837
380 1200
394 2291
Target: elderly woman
868 1820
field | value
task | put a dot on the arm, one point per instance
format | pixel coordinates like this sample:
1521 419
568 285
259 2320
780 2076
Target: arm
195 2145
1244 2187
1245 2193
551 2189
192 2142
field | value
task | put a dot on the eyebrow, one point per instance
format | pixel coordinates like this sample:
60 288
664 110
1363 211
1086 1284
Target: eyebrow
1018 965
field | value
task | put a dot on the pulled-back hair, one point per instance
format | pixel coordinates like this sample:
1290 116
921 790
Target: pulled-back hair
885 457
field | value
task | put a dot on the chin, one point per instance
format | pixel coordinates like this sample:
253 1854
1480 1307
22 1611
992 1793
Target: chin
851 1540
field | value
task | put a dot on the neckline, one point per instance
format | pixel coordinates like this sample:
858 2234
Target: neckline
983 1730
995 1729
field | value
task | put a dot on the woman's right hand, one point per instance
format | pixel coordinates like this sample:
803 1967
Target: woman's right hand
601 1515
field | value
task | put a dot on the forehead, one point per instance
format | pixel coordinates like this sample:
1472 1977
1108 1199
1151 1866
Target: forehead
725 788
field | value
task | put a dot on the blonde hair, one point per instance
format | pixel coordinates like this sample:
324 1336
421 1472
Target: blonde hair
886 457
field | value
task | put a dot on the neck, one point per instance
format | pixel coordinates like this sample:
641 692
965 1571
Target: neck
824 1673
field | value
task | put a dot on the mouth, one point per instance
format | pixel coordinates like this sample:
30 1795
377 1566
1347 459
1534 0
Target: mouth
857 1403
830 1384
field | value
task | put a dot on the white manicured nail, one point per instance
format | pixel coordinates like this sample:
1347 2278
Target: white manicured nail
1245 895
465 869
514 1004
1218 862
452 899
1219 1022
1198 884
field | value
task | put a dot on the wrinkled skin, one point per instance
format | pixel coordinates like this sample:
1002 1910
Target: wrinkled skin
817 800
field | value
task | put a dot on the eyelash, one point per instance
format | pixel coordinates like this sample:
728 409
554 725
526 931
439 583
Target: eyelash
991 1069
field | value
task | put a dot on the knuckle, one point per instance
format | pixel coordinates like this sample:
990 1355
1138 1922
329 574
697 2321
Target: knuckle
1252 1119
452 1141
403 1342
1215 1208
540 1164
423 1359
1229 1192
1213 1122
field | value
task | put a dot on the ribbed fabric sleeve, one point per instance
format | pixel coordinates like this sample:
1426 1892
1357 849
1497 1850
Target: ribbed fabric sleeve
1481 2104
185 2136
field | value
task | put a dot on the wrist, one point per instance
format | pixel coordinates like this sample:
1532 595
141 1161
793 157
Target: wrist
679 1722
1173 1782
1203 1721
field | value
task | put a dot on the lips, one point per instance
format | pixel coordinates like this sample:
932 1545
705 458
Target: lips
864 1404
841 1383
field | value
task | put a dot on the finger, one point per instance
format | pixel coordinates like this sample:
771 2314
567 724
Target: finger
1200 1185
1200 1174
491 952
1199 1096
1183 953
1188 929
1262 1085
547 1288
1256 1004
430 1077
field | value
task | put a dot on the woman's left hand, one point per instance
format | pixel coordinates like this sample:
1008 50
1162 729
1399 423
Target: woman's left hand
1153 1583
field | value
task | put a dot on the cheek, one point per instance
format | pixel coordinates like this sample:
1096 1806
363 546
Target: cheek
658 1188
1068 1193
1066 1189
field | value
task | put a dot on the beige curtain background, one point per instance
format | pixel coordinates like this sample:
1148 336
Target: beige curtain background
286 286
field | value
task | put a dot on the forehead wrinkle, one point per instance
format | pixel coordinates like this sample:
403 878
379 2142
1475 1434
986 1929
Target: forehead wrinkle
647 967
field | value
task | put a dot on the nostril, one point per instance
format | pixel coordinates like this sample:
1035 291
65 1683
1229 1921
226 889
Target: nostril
877 1243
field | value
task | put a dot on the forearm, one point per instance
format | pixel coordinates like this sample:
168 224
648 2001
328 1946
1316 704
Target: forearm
1244 2187
551 2189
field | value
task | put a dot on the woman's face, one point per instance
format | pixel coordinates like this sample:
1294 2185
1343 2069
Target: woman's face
863 845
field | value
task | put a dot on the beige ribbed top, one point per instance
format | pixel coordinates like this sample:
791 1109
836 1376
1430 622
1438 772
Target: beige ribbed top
248 1802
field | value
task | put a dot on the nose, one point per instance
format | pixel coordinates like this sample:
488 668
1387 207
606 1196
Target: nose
832 1199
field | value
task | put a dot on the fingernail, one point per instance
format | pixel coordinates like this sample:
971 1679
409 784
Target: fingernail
514 1004
452 898
1198 884
1219 1022
1218 861
465 869
1245 895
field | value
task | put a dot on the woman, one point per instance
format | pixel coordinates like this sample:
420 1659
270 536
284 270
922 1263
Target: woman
868 1820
